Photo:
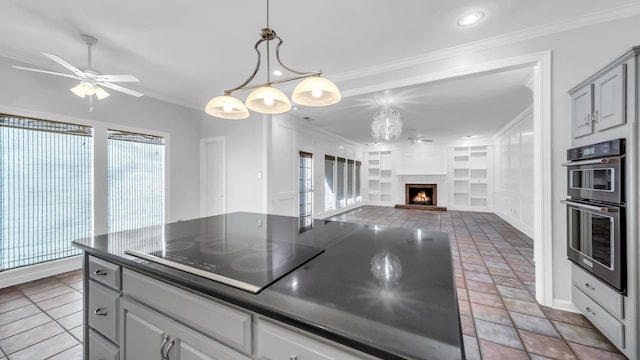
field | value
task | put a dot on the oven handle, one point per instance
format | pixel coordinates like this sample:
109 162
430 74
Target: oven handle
609 160
603 209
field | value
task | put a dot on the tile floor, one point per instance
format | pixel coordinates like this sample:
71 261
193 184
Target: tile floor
494 275
42 319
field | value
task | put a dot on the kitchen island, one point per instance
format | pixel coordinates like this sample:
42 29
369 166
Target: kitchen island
368 292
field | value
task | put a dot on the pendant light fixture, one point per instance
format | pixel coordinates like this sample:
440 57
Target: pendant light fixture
314 90
386 124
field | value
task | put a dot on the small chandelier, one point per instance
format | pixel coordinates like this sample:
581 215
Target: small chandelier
266 99
386 124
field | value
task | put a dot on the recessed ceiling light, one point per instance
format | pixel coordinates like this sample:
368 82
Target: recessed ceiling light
469 136
277 73
470 19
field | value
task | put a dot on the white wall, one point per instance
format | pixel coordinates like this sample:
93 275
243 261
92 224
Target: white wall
245 158
513 186
576 54
287 138
48 96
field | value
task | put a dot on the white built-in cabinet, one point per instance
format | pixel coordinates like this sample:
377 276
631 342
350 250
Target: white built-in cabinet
379 178
599 104
470 185
605 107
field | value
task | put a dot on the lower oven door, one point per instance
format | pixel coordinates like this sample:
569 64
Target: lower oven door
594 240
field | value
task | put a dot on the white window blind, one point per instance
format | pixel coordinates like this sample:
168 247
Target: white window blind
135 180
329 169
358 181
340 176
45 189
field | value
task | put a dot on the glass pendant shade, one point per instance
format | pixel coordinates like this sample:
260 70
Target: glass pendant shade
101 93
268 100
316 91
386 125
227 107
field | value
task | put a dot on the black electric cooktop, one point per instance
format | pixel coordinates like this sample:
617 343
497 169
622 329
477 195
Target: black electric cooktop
247 262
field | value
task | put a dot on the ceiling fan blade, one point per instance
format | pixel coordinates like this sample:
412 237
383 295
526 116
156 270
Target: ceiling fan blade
121 89
57 59
117 78
47 72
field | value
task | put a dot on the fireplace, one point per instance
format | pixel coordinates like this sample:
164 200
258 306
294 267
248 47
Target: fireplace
421 194
421 197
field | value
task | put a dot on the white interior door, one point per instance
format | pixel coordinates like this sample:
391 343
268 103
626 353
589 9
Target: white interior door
212 179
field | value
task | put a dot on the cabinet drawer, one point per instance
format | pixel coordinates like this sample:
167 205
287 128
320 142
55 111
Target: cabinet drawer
103 310
608 324
224 323
606 297
100 349
104 272
277 342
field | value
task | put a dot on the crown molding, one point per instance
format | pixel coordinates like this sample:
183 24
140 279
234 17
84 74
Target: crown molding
505 39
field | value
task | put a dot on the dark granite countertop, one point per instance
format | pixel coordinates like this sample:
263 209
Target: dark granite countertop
335 295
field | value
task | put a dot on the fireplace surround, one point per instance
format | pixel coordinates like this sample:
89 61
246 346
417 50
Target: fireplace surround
421 196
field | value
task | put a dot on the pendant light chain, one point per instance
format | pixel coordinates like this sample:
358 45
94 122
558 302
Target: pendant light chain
268 49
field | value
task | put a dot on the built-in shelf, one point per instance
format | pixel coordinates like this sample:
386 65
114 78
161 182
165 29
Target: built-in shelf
470 183
380 172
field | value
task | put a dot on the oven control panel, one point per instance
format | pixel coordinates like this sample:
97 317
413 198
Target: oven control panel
604 149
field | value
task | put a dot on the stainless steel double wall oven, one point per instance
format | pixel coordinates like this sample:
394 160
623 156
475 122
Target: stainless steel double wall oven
596 238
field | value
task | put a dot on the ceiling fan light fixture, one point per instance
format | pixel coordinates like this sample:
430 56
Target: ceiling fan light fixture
83 89
227 107
316 91
101 93
268 100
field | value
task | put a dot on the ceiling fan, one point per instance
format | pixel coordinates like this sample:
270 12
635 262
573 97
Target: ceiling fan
91 81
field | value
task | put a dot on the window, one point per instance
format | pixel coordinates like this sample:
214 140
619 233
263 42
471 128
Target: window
45 189
306 189
135 170
329 165
350 170
358 180
340 198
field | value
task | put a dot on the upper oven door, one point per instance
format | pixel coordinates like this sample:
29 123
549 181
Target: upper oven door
596 179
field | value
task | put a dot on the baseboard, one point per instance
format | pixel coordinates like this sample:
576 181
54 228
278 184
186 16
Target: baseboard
565 305
39 271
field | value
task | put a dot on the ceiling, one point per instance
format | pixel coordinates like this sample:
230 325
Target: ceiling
188 52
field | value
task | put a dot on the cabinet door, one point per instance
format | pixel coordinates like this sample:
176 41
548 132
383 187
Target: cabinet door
192 345
609 99
144 332
581 110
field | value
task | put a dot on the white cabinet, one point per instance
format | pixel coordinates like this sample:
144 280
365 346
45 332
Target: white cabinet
277 341
470 183
379 177
102 288
600 103
147 334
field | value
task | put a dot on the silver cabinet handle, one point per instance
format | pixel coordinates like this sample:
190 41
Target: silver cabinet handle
164 342
590 311
588 286
100 312
586 120
293 357
594 117
100 273
166 356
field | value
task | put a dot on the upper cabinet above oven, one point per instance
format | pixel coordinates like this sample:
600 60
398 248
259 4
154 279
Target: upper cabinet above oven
604 102
600 103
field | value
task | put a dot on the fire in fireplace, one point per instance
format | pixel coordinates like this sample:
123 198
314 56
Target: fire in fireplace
421 194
